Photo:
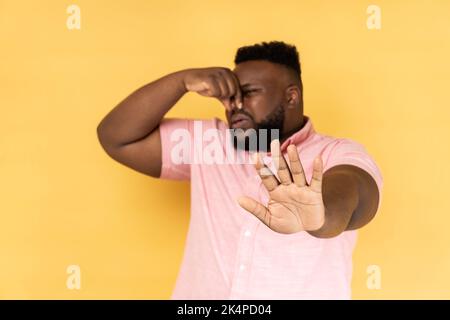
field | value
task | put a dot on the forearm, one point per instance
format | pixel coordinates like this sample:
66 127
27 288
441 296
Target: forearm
142 111
340 196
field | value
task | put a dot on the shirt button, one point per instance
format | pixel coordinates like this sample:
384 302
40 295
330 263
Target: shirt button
247 233
242 267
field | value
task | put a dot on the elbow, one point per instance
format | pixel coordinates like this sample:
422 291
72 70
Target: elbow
103 139
100 135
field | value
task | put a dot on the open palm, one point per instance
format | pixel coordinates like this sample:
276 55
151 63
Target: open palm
294 205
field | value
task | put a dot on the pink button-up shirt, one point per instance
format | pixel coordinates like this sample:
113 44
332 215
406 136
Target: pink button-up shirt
231 254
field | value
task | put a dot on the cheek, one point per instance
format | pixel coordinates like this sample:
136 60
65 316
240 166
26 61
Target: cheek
261 108
258 107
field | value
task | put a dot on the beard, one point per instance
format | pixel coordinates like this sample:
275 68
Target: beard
261 135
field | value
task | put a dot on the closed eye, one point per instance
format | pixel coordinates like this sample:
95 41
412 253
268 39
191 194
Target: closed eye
246 92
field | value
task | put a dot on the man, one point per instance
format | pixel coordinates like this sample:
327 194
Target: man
283 228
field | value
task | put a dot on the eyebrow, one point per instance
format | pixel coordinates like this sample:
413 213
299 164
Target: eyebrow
247 85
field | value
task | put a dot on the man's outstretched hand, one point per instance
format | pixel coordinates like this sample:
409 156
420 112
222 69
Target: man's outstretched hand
294 204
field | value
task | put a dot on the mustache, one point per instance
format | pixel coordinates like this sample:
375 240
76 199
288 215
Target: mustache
242 111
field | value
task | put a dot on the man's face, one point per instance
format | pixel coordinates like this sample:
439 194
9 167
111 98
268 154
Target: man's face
263 92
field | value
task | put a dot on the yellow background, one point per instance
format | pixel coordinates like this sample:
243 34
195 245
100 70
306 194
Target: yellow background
64 201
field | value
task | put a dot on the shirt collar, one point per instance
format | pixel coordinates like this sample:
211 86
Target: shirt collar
300 136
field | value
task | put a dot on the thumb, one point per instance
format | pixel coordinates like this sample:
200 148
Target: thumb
227 103
255 208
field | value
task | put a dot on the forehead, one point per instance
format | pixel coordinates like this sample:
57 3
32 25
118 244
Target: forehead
258 72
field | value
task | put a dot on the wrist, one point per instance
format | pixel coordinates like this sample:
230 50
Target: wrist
183 77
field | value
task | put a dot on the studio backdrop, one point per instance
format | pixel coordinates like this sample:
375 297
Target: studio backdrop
74 224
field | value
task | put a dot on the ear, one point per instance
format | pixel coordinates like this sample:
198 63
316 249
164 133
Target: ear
293 96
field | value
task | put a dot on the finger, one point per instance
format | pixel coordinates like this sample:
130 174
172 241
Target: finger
226 103
267 177
238 92
227 75
214 88
280 164
255 208
316 180
296 166
231 88
224 91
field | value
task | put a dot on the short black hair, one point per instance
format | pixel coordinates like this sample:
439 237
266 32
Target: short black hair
274 51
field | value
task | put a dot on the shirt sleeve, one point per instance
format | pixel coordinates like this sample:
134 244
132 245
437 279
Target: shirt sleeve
176 148
347 151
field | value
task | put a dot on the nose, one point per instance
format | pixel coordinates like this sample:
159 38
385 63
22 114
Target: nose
234 104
